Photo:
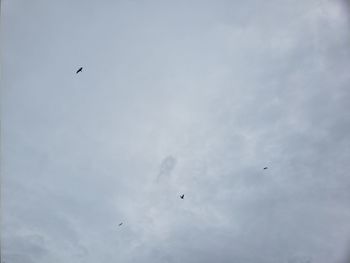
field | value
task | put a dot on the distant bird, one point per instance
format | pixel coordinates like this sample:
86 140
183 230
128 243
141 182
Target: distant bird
120 223
265 168
79 70
182 196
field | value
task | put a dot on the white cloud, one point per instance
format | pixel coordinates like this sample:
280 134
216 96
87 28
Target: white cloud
220 89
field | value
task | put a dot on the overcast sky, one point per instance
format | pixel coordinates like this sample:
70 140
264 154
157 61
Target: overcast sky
175 97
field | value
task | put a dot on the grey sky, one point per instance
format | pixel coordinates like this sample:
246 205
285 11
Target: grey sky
222 87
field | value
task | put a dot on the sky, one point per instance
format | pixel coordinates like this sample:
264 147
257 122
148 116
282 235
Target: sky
175 97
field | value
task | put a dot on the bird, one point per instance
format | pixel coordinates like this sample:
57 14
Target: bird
265 168
182 196
120 223
79 70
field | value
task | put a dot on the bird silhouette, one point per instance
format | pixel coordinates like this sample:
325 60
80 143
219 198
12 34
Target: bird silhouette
79 70
120 223
182 196
265 168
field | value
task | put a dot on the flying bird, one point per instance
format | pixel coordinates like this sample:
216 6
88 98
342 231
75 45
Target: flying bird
79 70
182 196
265 168
120 223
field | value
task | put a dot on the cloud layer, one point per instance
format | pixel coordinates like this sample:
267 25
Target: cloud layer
199 94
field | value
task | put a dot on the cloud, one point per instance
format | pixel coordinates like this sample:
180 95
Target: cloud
167 166
200 95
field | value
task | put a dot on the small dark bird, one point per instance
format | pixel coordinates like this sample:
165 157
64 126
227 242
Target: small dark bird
182 196
265 168
79 70
120 223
